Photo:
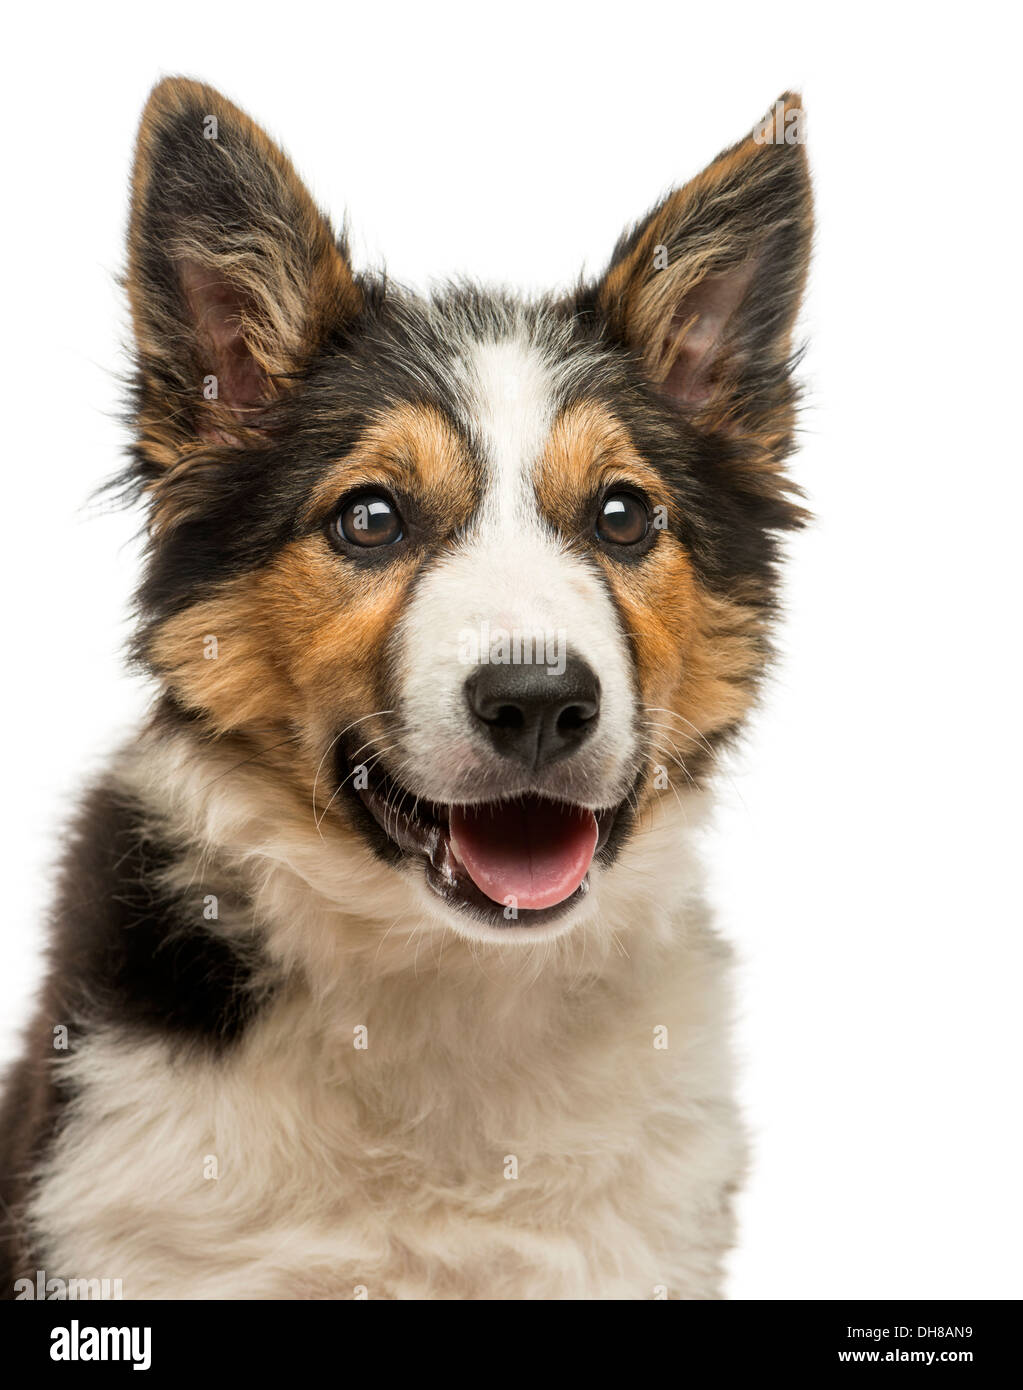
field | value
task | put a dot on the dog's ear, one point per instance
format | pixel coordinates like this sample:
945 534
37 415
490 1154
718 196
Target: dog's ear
706 288
234 276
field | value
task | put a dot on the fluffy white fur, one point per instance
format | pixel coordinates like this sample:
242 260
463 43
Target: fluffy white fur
385 1171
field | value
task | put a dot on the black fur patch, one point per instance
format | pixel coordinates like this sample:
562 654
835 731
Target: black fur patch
125 954
131 952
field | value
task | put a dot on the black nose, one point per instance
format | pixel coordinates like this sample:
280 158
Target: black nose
532 715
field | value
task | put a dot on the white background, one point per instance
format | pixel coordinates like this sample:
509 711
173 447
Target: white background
866 854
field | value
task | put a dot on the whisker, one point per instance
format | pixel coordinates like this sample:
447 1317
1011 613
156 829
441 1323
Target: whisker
712 752
675 757
378 754
333 742
653 751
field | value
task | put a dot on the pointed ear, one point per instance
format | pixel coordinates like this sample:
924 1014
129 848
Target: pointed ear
234 276
706 288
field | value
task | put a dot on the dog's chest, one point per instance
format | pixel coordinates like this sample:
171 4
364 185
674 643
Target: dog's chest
390 1157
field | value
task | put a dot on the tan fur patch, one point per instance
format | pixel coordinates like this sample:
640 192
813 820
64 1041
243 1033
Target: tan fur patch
299 652
588 449
299 647
696 653
410 447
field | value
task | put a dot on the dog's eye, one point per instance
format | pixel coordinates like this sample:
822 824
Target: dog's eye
369 520
622 519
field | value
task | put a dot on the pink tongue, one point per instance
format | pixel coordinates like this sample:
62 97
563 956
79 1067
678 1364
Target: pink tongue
535 852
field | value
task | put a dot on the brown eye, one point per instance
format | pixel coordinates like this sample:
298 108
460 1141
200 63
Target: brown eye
622 519
369 520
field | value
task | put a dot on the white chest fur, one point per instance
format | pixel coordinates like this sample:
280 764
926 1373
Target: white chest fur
413 1142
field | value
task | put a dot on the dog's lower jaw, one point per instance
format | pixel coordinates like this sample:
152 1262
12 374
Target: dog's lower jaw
405 1116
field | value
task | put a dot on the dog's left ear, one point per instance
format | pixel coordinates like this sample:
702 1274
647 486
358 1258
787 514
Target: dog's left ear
706 288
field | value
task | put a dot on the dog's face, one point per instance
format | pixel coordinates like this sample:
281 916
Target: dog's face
482 582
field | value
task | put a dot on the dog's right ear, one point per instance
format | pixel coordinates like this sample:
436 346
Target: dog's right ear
235 278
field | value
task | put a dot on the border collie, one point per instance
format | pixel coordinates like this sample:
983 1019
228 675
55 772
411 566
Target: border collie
380 965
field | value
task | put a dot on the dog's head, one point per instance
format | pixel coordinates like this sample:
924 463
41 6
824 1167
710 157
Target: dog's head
483 581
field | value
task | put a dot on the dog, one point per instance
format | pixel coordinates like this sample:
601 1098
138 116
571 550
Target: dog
380 963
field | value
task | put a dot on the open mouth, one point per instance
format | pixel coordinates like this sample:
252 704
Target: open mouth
511 863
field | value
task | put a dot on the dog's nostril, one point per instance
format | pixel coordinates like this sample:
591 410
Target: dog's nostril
574 717
508 717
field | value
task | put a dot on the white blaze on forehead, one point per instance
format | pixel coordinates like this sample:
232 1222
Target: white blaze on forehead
515 565
511 411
